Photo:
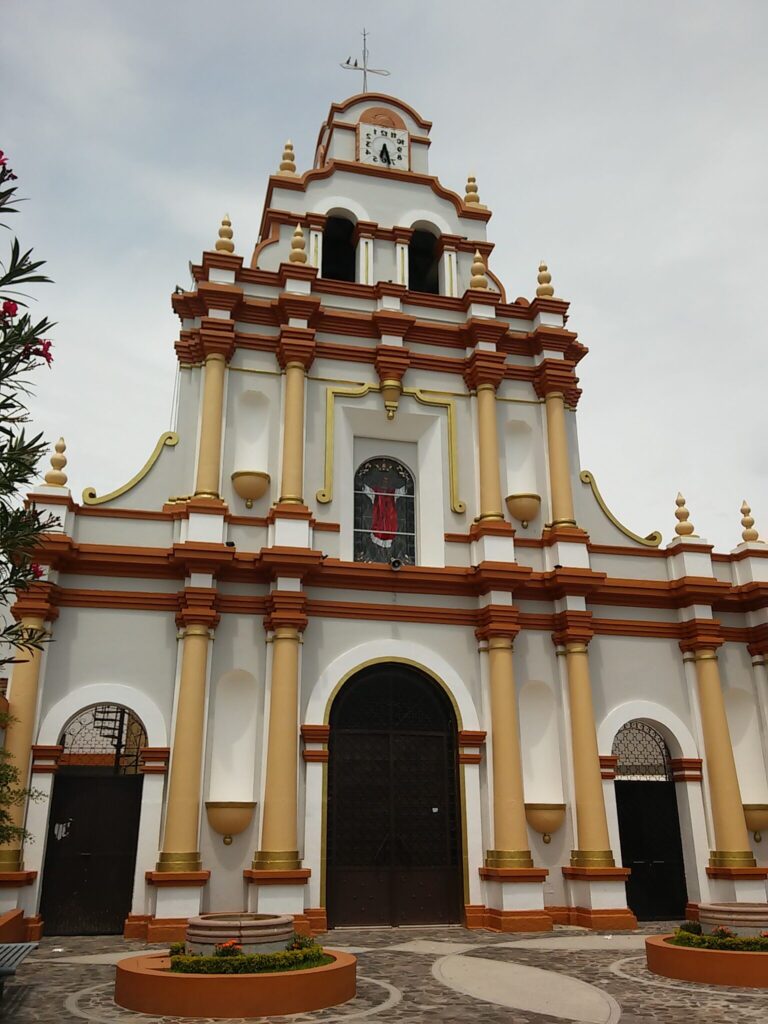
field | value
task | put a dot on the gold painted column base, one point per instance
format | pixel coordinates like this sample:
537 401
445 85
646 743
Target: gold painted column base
276 860
592 859
508 859
731 859
179 862
10 860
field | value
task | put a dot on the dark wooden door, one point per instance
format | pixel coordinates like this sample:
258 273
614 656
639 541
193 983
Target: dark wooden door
650 845
393 840
90 854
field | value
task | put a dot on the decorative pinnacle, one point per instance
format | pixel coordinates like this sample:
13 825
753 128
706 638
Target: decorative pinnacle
298 245
471 195
55 477
749 533
683 528
224 242
545 289
288 163
478 279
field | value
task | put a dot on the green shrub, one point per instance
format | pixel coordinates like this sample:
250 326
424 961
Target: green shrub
301 942
177 949
734 943
693 927
252 963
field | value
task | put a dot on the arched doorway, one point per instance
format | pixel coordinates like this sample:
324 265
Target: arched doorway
90 854
649 826
393 822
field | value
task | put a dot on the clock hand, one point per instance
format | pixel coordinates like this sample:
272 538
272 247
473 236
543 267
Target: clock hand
385 157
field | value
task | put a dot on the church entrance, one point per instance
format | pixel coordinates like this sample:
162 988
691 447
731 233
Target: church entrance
93 829
649 826
393 840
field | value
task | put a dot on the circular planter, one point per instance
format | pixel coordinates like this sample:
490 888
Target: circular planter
145 984
740 918
708 966
256 933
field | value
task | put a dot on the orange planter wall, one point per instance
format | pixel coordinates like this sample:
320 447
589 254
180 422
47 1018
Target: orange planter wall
710 966
145 984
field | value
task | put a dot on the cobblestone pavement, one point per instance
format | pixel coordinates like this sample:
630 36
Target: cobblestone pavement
419 975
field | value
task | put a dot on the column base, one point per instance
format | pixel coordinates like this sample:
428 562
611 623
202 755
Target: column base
515 898
276 860
737 885
11 860
279 892
731 859
179 862
178 897
508 859
592 859
597 898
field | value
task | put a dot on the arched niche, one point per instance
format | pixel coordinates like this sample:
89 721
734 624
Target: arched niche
542 773
520 457
339 256
234 735
424 258
742 714
252 432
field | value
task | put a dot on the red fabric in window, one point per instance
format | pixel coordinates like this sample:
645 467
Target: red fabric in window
384 521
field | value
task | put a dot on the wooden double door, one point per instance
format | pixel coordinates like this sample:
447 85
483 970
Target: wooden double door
393 816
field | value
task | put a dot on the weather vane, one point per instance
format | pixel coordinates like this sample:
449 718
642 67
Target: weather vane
354 65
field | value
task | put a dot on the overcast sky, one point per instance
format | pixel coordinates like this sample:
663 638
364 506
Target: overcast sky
624 142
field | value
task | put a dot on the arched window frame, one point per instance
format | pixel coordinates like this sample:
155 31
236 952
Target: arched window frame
642 753
377 499
331 248
103 737
424 279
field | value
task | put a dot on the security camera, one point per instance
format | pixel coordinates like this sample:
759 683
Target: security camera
395 564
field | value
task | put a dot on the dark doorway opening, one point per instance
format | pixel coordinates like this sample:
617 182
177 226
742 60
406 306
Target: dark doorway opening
423 261
649 825
93 829
339 249
393 823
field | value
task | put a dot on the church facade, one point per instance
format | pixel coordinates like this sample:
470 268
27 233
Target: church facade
362 641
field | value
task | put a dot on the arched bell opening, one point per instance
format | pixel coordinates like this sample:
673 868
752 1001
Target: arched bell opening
393 812
339 249
93 828
649 823
424 262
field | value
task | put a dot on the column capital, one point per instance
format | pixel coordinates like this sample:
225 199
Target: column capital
296 345
391 362
479 329
402 235
497 623
393 322
197 607
484 367
219 295
556 376
573 629
447 243
364 229
758 644
297 272
701 636
296 306
316 221
38 602
216 337
286 609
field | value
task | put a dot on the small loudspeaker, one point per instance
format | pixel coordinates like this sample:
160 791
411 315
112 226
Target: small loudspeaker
395 564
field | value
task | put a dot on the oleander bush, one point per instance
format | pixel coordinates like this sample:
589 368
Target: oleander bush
301 953
730 942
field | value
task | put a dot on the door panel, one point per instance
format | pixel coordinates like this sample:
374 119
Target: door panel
90 854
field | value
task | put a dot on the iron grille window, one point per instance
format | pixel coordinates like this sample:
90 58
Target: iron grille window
104 739
384 512
642 752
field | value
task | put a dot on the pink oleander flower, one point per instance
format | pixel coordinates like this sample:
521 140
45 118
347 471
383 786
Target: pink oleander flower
37 570
10 308
44 350
3 158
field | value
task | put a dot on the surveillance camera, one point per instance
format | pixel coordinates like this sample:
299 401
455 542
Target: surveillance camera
395 564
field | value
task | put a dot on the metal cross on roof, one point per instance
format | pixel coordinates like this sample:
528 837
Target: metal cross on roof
354 65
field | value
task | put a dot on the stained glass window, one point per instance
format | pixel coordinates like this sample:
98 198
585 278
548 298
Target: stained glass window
384 512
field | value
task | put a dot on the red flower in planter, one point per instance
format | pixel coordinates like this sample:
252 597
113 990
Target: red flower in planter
230 948
721 932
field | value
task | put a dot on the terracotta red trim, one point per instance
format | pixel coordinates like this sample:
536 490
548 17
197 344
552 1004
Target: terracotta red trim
608 764
172 879
299 876
686 769
736 873
12 879
514 874
595 874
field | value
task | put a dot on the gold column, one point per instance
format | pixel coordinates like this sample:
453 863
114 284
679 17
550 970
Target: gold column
279 843
490 489
510 834
730 828
182 820
19 735
559 465
591 823
292 483
209 452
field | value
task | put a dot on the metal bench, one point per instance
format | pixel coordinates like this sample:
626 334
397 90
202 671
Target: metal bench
11 955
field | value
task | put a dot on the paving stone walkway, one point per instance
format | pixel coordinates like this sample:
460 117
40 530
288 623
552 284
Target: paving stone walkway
420 975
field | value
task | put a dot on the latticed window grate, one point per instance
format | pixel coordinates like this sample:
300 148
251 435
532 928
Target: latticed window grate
103 738
384 512
642 752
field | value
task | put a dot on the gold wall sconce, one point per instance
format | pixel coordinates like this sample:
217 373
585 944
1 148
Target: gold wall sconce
756 817
545 818
229 817
524 507
250 485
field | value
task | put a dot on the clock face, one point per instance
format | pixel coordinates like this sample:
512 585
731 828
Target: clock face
385 147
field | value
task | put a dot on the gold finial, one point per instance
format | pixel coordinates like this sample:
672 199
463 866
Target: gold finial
683 528
749 533
55 477
298 246
478 279
471 195
224 242
288 163
545 289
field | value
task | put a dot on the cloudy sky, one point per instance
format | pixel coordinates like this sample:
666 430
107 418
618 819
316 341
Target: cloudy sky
624 142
